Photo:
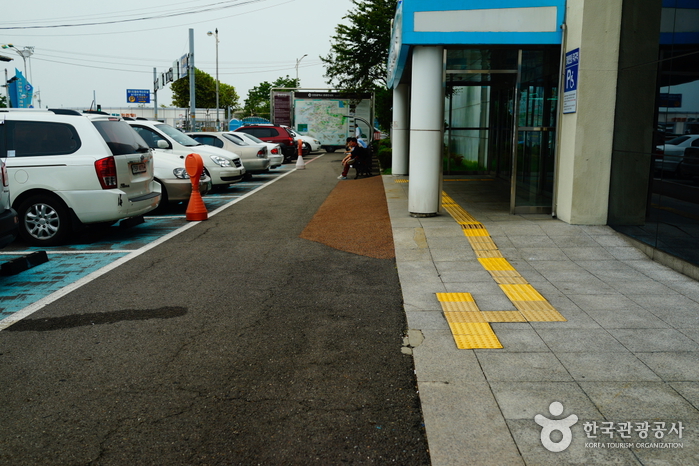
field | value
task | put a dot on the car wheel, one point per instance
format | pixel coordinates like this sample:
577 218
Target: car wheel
329 150
44 220
164 205
306 148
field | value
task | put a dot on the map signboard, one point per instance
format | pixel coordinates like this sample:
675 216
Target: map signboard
330 116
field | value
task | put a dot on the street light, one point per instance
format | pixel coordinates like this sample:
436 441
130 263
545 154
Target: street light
25 53
215 34
298 60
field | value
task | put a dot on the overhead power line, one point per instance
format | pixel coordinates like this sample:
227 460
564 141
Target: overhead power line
211 7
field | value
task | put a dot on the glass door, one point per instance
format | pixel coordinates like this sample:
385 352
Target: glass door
534 149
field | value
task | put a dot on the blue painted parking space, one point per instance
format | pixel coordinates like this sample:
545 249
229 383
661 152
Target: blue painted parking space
97 249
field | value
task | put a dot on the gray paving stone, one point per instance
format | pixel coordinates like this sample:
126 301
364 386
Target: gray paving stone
627 318
641 340
426 320
465 427
649 401
438 359
605 302
566 340
587 253
522 367
607 367
523 340
524 400
673 366
527 435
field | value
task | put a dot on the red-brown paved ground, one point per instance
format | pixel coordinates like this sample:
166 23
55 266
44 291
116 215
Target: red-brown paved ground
354 218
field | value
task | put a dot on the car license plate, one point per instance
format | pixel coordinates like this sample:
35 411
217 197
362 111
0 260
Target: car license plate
137 168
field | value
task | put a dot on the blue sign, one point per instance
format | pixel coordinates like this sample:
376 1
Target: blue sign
138 96
570 87
21 92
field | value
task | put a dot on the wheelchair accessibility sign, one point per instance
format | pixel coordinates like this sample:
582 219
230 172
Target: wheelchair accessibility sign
570 88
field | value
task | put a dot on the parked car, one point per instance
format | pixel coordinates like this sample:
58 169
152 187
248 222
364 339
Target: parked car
274 151
9 222
275 134
67 170
253 156
310 144
170 172
689 167
224 168
669 155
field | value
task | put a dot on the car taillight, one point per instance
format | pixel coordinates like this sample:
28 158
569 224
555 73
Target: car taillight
289 142
5 178
106 172
275 150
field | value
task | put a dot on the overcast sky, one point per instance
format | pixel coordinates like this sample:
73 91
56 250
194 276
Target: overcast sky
259 40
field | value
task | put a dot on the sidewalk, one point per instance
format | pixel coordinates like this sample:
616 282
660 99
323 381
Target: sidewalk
623 354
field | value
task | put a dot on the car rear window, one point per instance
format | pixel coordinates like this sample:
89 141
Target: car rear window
261 132
38 138
120 137
235 140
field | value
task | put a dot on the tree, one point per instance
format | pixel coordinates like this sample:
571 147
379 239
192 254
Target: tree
3 101
258 103
359 53
205 92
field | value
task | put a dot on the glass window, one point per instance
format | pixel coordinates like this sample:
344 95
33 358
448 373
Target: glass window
37 138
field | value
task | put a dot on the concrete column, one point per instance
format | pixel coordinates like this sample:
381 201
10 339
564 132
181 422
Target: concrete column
587 136
426 131
400 130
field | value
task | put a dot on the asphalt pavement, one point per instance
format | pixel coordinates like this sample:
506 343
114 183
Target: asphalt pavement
233 342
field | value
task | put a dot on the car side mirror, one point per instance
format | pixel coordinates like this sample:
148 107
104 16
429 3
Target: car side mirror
163 144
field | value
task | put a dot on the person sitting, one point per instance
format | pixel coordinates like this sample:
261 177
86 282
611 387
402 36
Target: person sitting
355 152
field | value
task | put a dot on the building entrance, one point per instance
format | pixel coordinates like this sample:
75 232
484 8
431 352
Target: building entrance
500 114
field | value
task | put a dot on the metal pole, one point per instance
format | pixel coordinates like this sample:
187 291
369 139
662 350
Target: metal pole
298 60
192 96
155 94
218 122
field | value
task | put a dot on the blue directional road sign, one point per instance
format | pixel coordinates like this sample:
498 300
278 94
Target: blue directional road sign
570 88
138 96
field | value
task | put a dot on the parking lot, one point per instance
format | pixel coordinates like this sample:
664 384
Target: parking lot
94 251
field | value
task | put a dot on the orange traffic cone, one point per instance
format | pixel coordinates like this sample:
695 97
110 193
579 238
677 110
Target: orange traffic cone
300 164
196 210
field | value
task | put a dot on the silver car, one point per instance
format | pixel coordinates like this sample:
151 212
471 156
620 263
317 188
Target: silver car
253 156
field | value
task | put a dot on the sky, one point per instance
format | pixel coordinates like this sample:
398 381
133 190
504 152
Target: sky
85 49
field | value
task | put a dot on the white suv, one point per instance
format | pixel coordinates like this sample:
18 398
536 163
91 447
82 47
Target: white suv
224 167
67 170
8 216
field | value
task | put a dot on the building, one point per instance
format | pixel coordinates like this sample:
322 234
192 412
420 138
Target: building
568 101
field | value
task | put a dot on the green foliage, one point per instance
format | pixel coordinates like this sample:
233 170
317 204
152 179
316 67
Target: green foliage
257 102
3 101
359 53
205 92
384 154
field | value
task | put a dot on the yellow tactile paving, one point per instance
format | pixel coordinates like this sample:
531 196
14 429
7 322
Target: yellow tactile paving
471 328
533 306
464 306
507 277
454 297
522 293
482 243
463 317
487 253
469 325
477 342
544 316
401 181
475 232
497 263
